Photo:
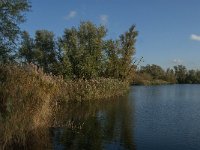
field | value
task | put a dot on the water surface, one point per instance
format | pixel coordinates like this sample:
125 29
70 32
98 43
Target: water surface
149 118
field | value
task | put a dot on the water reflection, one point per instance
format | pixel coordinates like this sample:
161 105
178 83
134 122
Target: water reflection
105 125
149 118
167 117
39 139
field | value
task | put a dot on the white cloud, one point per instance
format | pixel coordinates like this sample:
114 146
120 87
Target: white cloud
177 61
104 19
71 15
195 37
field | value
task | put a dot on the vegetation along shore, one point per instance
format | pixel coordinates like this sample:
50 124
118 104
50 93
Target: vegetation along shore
38 74
42 72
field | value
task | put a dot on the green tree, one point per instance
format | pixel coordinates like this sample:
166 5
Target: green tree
26 50
64 67
11 15
83 47
45 50
170 76
127 50
180 72
154 70
91 40
191 77
112 60
198 76
71 51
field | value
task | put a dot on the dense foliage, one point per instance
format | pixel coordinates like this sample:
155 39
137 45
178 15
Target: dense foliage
154 74
81 53
11 15
81 65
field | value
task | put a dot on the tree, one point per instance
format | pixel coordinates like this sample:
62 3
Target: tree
127 44
170 76
26 50
154 70
191 77
11 15
83 48
64 67
112 60
91 41
71 51
45 50
198 76
180 72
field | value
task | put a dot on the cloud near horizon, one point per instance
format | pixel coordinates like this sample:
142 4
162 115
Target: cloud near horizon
104 19
195 37
71 15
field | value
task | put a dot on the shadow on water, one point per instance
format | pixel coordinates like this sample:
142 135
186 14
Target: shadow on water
36 140
105 125
95 126
148 118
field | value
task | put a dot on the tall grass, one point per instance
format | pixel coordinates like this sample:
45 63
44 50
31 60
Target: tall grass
94 89
25 97
29 98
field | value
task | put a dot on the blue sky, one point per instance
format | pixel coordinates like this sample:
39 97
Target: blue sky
169 30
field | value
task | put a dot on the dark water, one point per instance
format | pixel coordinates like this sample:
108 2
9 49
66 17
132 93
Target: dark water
149 118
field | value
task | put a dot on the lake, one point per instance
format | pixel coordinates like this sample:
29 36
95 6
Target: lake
165 117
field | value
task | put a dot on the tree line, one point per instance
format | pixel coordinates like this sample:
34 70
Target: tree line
179 74
82 52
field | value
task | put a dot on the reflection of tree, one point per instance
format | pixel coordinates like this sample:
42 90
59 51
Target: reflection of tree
126 111
93 126
81 128
36 139
118 124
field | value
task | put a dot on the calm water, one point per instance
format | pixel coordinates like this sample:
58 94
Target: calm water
149 118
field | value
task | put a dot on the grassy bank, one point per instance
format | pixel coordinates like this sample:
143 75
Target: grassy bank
29 97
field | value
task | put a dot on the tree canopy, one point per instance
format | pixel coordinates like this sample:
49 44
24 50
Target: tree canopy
11 15
178 74
81 52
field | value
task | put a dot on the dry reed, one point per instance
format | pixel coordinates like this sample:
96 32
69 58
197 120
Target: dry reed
29 97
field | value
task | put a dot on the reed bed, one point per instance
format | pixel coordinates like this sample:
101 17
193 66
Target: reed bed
25 97
29 98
